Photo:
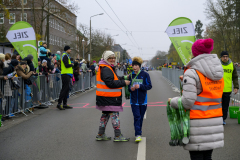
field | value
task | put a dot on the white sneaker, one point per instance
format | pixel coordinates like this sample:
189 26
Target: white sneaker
138 139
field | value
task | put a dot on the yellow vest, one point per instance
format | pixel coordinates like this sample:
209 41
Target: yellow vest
65 70
227 76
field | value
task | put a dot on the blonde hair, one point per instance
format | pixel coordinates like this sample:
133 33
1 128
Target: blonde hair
138 59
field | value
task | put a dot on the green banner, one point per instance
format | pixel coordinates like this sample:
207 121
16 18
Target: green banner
22 37
182 34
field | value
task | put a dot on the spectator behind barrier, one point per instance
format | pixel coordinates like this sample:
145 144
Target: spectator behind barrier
2 57
11 68
92 68
7 59
84 66
56 69
44 68
22 70
76 71
58 54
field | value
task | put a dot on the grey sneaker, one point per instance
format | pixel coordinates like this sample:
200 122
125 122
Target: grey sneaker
103 137
121 138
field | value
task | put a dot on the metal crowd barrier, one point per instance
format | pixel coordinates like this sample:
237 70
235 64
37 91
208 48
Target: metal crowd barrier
120 73
172 76
16 101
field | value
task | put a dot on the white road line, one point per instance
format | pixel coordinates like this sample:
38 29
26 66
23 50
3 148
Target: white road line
141 155
145 115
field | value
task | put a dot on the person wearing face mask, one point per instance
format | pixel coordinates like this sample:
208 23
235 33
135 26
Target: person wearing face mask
140 84
109 97
230 77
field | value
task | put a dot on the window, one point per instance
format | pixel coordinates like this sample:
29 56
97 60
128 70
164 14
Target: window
1 18
24 17
50 40
11 18
11 2
58 41
24 2
53 23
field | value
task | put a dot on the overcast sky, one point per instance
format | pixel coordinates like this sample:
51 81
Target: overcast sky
146 19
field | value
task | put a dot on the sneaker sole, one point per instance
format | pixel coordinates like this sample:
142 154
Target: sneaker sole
138 140
121 140
103 139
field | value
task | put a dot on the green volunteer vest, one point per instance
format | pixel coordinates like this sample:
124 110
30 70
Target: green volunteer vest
227 76
65 70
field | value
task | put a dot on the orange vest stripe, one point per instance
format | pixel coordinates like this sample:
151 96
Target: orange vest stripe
102 89
208 103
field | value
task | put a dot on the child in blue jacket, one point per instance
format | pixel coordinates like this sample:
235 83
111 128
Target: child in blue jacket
140 83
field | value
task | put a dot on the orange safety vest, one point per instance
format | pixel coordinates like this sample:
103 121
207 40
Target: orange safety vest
209 101
102 89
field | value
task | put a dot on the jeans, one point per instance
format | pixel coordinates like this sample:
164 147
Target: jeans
225 104
201 155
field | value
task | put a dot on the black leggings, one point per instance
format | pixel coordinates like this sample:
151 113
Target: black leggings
201 155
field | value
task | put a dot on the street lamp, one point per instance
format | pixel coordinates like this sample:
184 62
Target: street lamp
91 31
83 47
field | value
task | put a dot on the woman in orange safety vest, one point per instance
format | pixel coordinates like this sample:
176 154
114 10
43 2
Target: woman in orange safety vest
202 93
109 96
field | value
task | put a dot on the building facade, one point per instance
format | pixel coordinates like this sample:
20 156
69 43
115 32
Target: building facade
62 22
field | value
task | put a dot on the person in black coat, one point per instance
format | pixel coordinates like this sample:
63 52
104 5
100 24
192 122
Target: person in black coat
92 67
11 68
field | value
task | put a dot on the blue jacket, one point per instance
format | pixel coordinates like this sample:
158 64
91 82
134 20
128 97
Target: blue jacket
139 96
43 51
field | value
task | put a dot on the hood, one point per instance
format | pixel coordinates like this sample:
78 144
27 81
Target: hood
104 63
225 64
208 64
28 60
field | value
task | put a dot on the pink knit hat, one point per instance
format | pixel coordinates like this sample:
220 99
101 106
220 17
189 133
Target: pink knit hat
202 46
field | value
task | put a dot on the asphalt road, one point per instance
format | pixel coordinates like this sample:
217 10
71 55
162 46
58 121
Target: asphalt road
70 134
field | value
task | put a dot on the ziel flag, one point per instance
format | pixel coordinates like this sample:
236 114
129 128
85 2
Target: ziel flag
182 34
22 37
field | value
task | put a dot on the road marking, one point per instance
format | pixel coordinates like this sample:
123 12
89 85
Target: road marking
145 115
141 155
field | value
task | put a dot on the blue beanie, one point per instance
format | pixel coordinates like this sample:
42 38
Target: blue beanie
39 59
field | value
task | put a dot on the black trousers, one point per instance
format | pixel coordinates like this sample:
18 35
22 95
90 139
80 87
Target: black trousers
225 104
201 155
65 89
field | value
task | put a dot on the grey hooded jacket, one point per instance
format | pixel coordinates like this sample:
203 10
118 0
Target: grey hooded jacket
205 134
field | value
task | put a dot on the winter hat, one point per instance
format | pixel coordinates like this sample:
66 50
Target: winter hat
44 61
39 59
107 54
58 52
30 56
66 48
94 61
202 46
53 55
23 62
83 61
2 56
224 53
14 62
137 61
